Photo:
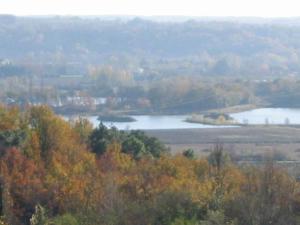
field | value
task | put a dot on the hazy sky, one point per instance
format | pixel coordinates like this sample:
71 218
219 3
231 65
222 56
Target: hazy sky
261 8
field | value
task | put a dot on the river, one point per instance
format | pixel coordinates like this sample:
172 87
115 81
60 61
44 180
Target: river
268 116
253 117
148 122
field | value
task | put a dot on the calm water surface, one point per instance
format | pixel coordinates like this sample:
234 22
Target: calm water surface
153 122
268 115
256 116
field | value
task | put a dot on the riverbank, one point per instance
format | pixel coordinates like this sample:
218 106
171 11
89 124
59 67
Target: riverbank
213 118
116 118
137 112
235 109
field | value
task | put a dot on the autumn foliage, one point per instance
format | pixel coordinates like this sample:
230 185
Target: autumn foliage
56 172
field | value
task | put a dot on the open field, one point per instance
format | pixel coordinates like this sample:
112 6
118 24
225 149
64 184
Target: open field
242 141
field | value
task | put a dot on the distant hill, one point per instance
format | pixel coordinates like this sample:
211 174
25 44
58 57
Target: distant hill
205 46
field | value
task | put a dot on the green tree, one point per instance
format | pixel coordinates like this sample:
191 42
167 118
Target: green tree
153 145
66 219
134 147
216 218
189 153
100 139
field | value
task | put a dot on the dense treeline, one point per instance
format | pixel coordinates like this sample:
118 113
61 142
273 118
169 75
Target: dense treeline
177 94
191 47
56 172
143 66
185 94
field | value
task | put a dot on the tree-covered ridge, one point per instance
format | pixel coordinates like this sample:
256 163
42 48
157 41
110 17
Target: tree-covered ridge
69 173
94 65
203 47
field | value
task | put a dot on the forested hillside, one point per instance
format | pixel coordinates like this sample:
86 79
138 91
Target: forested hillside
55 172
194 47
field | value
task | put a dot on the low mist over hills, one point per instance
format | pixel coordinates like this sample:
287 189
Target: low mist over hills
196 46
